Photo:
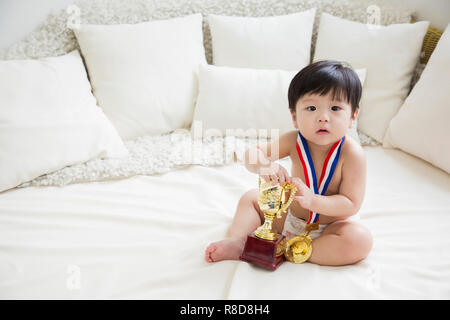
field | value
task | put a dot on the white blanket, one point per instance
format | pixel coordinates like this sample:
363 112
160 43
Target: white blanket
144 238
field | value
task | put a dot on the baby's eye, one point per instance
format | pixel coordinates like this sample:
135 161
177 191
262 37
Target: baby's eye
311 108
335 108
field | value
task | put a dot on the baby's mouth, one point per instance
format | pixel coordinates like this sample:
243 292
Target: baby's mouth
322 131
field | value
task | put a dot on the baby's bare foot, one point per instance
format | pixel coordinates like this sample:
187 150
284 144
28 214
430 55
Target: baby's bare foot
228 249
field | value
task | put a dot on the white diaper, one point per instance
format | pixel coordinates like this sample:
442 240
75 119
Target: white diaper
294 226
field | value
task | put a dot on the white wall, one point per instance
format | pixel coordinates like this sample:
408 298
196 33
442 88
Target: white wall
19 17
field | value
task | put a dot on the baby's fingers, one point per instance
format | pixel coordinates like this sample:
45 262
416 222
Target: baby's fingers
298 182
273 179
300 200
282 180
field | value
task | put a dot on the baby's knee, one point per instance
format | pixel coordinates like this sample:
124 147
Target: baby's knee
365 237
249 200
359 241
249 197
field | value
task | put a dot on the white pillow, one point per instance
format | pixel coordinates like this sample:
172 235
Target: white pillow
421 127
390 54
279 42
145 75
248 102
49 119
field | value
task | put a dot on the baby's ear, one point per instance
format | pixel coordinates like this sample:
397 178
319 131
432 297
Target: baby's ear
355 115
294 118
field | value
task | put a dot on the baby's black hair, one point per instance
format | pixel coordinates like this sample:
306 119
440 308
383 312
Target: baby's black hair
324 76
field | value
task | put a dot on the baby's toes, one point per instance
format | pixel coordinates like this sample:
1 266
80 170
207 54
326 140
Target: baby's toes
209 250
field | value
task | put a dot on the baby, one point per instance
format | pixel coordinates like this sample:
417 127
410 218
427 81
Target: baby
324 102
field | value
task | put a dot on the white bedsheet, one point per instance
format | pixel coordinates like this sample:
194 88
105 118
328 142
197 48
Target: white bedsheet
144 238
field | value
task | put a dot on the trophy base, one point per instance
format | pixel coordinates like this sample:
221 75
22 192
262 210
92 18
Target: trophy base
263 253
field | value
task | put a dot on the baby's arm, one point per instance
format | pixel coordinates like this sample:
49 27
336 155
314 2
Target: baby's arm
260 159
351 191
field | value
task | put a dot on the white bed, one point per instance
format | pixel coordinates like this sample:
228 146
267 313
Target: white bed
144 238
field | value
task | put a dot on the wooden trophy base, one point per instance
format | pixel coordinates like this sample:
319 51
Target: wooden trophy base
262 252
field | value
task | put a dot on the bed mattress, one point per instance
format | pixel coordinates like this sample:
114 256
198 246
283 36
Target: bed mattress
144 238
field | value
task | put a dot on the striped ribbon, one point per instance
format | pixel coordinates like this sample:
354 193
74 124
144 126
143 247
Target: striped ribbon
328 168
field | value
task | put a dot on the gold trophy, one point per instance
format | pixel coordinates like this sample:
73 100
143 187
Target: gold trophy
264 247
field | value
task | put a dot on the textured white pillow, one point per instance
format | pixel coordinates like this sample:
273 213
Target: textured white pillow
251 102
49 119
278 42
242 98
145 75
421 127
390 54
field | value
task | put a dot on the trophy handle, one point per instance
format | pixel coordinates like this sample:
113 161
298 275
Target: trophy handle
286 187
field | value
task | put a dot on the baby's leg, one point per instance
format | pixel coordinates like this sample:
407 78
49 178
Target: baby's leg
246 219
341 243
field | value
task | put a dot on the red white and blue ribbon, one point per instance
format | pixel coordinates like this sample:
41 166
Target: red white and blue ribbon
329 165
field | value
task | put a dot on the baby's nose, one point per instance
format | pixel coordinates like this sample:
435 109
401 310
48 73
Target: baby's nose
324 117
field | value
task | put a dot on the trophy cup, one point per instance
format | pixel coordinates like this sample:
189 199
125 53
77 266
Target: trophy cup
263 247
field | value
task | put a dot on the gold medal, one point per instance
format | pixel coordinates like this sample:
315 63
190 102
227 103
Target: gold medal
298 248
311 226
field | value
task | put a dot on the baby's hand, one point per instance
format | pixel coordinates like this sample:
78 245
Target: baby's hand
306 195
275 173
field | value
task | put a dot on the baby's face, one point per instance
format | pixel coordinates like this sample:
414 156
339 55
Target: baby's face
321 119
